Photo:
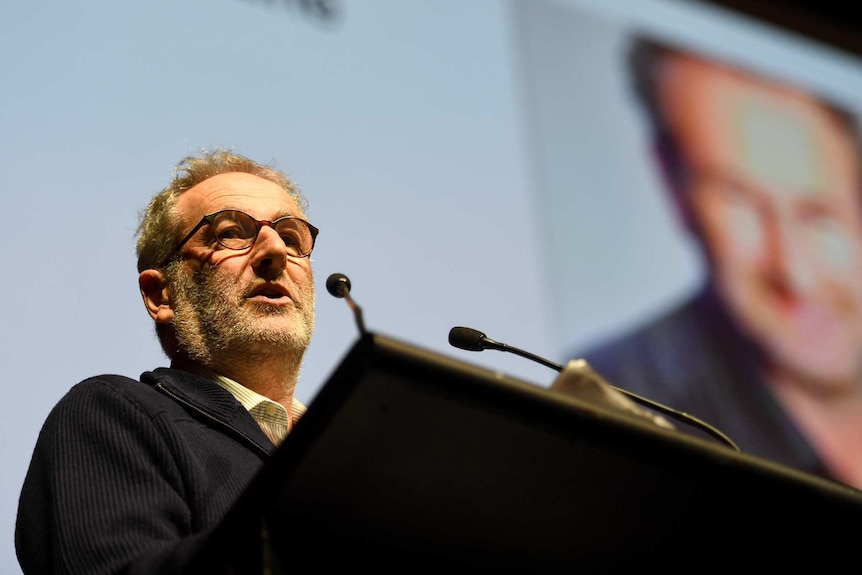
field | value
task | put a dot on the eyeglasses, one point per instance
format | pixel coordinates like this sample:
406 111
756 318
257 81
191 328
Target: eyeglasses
237 230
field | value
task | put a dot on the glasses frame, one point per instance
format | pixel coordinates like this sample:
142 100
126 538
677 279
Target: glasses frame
259 224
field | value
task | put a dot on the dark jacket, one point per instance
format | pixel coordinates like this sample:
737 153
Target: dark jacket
693 359
132 476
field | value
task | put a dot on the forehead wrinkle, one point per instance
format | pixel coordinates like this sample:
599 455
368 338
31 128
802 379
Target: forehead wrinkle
215 201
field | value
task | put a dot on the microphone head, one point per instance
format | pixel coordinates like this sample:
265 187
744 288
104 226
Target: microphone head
338 285
467 338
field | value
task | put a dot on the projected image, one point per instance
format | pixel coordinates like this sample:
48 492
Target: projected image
741 302
766 179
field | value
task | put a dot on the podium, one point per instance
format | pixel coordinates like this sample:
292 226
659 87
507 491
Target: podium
411 461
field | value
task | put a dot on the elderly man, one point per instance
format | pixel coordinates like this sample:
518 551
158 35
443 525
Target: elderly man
132 475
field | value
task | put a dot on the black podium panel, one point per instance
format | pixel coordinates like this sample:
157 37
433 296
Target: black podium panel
411 461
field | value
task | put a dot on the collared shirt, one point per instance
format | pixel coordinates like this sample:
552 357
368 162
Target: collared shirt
270 415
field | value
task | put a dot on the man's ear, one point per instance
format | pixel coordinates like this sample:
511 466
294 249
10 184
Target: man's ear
156 295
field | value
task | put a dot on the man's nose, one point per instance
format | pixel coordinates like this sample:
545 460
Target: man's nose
790 257
269 250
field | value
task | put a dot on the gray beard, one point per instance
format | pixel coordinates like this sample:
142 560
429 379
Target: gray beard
215 324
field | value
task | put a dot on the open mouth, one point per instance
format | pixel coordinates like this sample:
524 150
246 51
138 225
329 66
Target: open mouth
270 292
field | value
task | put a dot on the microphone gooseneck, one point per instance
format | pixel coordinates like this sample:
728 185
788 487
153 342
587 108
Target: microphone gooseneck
338 285
474 340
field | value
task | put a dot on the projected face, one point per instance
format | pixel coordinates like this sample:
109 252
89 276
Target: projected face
774 191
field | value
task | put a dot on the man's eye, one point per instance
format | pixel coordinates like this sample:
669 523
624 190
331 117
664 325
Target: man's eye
290 238
230 232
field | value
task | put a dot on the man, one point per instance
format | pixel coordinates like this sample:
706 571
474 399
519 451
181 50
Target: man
766 177
132 476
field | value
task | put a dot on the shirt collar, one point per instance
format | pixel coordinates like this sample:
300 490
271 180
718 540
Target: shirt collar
248 398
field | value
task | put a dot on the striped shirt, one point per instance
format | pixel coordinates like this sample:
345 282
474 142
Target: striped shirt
270 415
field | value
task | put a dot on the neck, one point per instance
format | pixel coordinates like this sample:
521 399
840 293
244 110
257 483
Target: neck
829 415
832 395
272 376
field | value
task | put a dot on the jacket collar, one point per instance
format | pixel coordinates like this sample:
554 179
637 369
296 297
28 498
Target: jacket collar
207 396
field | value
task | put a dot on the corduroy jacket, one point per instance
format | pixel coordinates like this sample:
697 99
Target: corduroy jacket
132 476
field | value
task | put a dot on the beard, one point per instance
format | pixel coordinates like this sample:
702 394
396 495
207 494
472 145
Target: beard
214 322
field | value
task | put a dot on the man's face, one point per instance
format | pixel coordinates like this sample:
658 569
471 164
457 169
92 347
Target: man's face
244 304
774 190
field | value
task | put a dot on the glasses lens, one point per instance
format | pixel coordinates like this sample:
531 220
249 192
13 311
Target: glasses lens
296 236
234 230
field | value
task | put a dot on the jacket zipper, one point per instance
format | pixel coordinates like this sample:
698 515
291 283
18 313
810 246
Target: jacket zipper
210 417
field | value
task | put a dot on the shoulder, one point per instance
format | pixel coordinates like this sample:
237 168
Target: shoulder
669 354
685 357
666 333
107 388
112 397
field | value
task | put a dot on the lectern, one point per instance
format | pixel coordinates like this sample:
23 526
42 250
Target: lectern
411 461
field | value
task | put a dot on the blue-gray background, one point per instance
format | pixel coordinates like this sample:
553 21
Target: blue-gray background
419 130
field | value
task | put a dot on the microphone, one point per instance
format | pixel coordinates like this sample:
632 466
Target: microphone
474 340
338 285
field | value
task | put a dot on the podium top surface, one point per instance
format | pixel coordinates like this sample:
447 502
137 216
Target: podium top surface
410 455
